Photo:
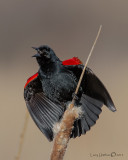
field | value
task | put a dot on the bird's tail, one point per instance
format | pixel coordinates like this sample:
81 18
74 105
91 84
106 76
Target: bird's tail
91 110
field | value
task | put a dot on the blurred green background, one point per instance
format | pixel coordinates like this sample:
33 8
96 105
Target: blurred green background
69 27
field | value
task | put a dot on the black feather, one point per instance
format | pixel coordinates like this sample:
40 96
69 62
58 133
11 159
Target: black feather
89 116
92 86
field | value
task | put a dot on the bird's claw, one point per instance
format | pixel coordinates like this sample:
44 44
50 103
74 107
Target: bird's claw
75 97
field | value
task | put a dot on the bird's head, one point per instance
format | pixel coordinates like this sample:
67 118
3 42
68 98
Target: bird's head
44 54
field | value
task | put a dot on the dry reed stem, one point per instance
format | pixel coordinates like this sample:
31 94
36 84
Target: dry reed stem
66 125
20 146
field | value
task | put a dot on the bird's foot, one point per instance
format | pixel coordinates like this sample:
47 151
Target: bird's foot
75 96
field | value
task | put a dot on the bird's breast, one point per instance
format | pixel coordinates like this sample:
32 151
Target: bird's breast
60 86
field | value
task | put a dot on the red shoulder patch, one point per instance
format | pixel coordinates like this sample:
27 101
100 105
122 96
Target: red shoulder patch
30 79
72 61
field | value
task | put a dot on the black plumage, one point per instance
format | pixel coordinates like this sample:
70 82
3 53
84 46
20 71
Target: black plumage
48 93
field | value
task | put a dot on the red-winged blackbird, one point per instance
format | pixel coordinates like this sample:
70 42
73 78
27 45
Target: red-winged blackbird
48 92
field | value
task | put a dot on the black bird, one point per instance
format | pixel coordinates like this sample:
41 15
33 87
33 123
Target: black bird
49 91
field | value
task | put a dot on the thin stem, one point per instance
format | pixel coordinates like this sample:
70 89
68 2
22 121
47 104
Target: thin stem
22 136
82 74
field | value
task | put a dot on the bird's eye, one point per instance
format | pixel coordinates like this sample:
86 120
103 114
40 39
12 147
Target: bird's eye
43 50
48 49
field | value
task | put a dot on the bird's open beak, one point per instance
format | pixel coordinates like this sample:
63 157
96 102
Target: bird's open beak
37 55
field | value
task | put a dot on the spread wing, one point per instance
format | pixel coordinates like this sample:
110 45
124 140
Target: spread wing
92 86
94 96
91 110
43 111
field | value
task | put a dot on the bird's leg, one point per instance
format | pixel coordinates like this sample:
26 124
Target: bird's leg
77 97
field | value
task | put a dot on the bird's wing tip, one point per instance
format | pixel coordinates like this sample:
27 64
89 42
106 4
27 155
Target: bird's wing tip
113 108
